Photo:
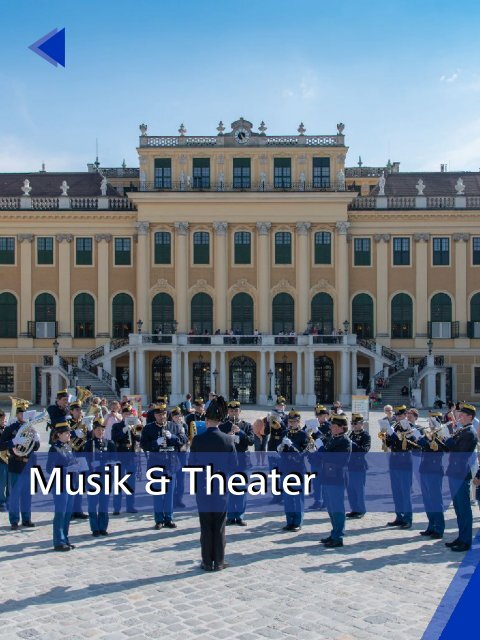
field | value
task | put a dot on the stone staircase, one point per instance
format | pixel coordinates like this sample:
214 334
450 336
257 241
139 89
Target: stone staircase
98 387
392 394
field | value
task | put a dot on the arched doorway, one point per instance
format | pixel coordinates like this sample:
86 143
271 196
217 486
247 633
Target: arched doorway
162 313
242 314
284 379
243 380
362 315
323 379
283 313
321 313
161 377
201 378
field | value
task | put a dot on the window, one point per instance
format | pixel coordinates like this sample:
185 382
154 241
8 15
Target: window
362 252
162 313
241 173
122 315
242 314
8 315
321 313
123 251
6 380
7 250
84 316
477 380
283 247
201 173
321 173
474 322
243 247
163 247
202 314
401 252
441 251
201 247
45 308
84 251
44 250
163 173
476 251
362 315
441 325
323 247
282 171
402 316
283 313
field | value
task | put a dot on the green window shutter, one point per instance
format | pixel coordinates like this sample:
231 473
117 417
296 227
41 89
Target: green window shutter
362 252
243 247
241 173
8 315
84 316
123 250
401 251
476 251
163 173
323 247
201 247
282 173
321 173
441 251
201 173
44 250
84 252
163 247
283 247
7 250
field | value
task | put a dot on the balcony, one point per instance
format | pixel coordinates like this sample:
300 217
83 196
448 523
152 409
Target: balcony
255 187
236 342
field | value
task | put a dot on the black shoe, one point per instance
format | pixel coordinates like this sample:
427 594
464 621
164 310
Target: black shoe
61 547
452 543
436 536
169 524
230 521
132 511
287 527
405 525
103 532
29 523
333 544
395 523
220 567
241 522
426 533
72 546
205 567
295 527
158 526
116 513
79 515
14 527
95 534
461 546
325 540
353 514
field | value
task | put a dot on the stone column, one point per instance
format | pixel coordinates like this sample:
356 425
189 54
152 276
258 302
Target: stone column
64 315
262 398
43 397
341 273
263 276
382 241
271 367
421 287
175 396
26 306
220 274
299 396
310 378
213 367
443 386
103 293
345 378
461 311
223 381
181 277
186 377
303 275
141 374
143 274
131 370
354 373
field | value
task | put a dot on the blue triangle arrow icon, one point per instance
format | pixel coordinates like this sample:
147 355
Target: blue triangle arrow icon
51 47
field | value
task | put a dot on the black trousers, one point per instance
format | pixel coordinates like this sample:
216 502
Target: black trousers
212 536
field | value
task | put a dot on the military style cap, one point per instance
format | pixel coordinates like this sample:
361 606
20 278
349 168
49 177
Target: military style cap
61 427
75 405
280 400
162 399
321 410
469 409
341 421
98 423
217 409
127 408
198 402
160 408
400 409
357 417
176 411
21 408
62 394
294 415
234 404
435 414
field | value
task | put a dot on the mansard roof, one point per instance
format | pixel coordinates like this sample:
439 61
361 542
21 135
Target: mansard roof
437 183
47 184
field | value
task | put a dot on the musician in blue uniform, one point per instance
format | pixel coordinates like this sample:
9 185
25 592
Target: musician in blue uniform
59 411
357 467
60 455
292 449
336 454
462 443
401 440
124 437
431 476
162 440
261 426
20 499
3 468
319 427
243 437
102 454
76 417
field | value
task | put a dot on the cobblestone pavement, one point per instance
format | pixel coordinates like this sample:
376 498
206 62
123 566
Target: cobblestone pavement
140 583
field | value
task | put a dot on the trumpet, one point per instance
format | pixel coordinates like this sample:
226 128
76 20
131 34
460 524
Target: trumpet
383 437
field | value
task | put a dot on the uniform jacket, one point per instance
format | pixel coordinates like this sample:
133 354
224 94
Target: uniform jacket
15 464
361 443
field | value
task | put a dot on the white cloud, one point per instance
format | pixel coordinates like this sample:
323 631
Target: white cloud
453 78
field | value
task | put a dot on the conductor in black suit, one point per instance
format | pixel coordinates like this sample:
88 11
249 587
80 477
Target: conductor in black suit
212 510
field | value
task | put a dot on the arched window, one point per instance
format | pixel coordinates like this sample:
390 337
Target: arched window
401 316
283 313
362 315
242 314
474 324
322 313
84 316
202 314
45 308
122 315
162 313
8 315
440 325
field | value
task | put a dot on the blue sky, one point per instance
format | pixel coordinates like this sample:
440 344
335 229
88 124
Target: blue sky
403 76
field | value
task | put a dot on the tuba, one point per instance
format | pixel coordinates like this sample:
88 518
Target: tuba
77 442
30 435
83 394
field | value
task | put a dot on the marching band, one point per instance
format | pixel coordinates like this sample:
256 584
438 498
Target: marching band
280 436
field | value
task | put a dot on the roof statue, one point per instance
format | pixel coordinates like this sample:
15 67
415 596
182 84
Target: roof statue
340 180
381 184
64 188
420 187
460 187
103 186
26 188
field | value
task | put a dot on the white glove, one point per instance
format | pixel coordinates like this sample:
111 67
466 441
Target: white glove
18 440
160 441
37 437
125 429
313 428
236 439
89 426
319 443
79 433
287 442
167 434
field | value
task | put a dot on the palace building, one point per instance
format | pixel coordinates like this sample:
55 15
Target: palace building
245 263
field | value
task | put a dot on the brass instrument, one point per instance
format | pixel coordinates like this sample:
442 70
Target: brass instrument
134 429
77 442
383 437
192 431
83 394
403 435
30 435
